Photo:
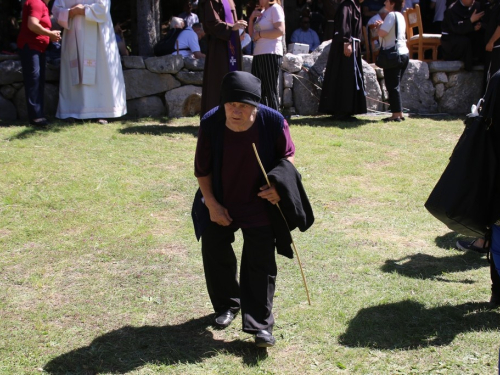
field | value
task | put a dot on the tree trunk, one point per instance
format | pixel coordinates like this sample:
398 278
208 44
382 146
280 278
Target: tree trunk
148 26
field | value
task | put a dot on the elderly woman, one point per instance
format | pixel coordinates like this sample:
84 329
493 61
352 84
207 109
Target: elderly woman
267 27
390 37
32 41
233 195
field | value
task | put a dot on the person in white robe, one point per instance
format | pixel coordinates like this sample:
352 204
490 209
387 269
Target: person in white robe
91 83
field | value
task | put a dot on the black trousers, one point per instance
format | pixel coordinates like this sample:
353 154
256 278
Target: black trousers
255 292
267 68
458 47
392 84
33 63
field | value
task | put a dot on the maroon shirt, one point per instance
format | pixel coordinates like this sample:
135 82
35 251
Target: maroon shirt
241 173
39 10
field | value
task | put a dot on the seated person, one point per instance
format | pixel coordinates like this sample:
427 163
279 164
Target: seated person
188 42
460 24
370 8
305 35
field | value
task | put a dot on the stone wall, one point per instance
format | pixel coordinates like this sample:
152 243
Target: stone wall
171 86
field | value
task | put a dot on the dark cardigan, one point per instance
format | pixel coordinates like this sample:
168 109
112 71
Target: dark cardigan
270 123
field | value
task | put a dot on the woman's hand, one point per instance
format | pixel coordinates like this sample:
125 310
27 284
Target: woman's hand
269 193
347 49
55 36
219 214
257 13
240 24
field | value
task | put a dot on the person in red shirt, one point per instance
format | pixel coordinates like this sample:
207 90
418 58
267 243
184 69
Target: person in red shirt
32 41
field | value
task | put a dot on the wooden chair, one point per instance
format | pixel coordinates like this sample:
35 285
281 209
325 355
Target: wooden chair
372 45
419 42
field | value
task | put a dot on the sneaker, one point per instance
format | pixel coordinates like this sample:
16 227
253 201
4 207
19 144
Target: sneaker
469 245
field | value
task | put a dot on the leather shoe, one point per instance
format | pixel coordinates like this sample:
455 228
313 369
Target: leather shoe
264 339
224 319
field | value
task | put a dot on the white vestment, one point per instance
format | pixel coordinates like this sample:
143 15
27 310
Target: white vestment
91 83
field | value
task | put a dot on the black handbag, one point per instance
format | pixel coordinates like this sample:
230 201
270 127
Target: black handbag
466 196
389 58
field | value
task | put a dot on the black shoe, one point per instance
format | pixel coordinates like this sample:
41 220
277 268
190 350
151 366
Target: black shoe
41 123
224 319
264 339
392 119
469 245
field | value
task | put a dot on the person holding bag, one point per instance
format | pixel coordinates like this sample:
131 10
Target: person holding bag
394 54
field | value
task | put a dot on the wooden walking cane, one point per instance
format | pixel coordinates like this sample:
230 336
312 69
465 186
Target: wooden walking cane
281 212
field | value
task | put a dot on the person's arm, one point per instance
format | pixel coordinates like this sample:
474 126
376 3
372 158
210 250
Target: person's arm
493 39
218 213
213 24
384 27
35 26
278 26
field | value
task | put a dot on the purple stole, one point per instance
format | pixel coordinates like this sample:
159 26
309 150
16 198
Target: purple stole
231 44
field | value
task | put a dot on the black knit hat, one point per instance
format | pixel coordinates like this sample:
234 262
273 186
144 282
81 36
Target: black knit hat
240 87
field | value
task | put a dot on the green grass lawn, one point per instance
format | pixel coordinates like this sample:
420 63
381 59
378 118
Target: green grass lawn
100 272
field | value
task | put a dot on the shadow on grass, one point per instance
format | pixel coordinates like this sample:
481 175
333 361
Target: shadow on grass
409 325
33 130
448 240
129 348
423 266
160 130
327 121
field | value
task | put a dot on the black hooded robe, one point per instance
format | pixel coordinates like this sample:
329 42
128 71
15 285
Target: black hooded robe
343 87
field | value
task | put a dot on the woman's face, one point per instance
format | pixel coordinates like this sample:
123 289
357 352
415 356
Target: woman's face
264 4
389 6
239 115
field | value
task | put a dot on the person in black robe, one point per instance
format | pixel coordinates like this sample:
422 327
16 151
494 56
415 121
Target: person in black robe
343 94
460 38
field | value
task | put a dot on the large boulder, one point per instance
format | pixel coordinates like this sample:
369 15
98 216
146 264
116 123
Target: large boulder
194 64
8 91
183 101
373 91
445 66
417 90
190 78
461 91
7 109
305 94
10 71
51 99
170 64
133 62
292 63
150 106
247 63
321 58
142 82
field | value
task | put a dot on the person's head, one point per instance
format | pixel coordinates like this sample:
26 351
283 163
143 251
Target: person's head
467 3
267 3
382 13
394 5
240 96
305 22
198 29
188 7
176 23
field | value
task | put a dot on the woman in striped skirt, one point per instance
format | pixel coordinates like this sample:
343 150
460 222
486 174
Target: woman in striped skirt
267 27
